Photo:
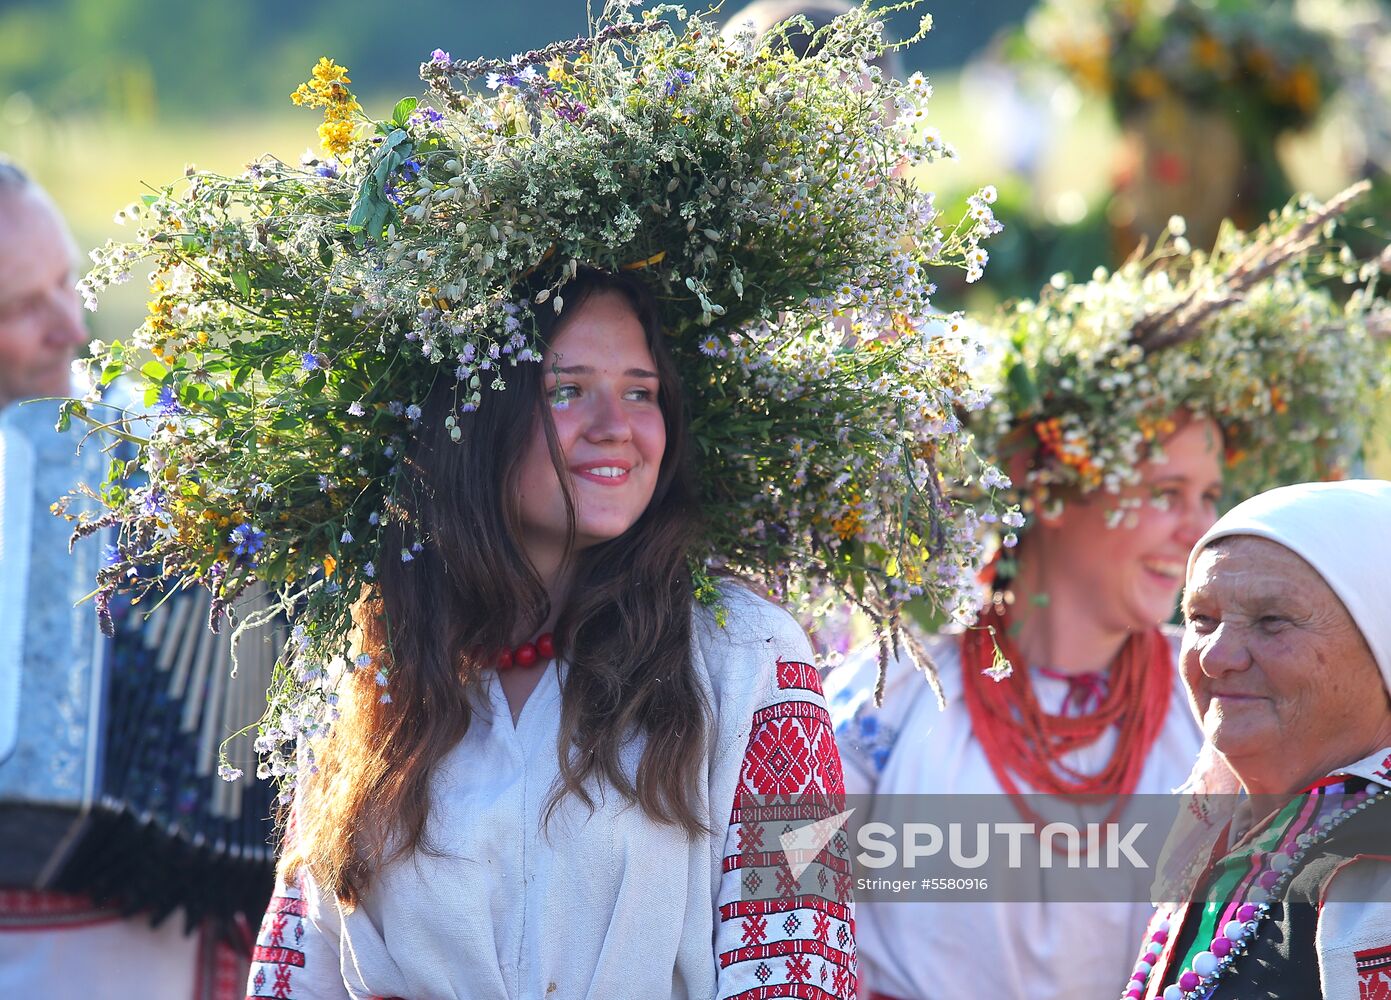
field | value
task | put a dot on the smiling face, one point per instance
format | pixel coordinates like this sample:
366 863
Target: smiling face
1131 574
602 387
40 316
1277 670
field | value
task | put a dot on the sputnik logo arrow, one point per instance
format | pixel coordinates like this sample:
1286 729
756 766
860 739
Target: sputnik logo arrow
802 845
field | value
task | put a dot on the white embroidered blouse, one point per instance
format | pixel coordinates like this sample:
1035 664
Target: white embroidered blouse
925 950
603 904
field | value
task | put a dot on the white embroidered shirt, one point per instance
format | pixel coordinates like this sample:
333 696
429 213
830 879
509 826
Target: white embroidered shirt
925 950
603 904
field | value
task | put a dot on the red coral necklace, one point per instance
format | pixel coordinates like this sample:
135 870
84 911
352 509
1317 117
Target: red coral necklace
1022 742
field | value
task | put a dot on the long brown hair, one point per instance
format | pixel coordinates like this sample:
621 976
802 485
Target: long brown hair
625 632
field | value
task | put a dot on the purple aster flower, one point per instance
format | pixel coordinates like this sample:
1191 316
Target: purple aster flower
439 56
167 405
678 79
426 116
571 111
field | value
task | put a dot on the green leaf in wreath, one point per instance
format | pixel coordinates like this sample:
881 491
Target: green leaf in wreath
402 112
154 371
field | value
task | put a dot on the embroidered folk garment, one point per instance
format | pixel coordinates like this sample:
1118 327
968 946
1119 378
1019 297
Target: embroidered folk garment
1328 930
603 904
929 949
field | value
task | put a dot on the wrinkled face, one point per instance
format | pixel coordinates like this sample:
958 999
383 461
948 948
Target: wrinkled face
40 316
1135 569
1276 669
602 386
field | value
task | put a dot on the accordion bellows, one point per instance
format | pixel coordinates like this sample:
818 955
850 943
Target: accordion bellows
108 747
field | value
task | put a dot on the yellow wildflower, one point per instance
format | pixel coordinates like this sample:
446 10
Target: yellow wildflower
559 71
328 72
325 89
336 137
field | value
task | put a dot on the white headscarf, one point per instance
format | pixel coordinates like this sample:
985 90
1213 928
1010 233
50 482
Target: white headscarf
1341 529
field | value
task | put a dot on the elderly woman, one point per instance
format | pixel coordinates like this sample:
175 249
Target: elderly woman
1287 658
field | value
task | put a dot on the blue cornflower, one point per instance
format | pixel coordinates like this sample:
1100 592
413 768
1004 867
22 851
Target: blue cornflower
247 541
326 170
167 405
678 79
410 170
310 361
496 80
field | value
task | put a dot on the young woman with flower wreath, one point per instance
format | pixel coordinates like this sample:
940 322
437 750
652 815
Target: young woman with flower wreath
568 818
1119 404
490 398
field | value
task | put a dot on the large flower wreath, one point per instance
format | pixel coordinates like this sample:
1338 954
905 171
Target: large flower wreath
300 313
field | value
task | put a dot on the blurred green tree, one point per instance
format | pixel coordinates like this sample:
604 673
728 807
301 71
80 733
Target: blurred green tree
143 58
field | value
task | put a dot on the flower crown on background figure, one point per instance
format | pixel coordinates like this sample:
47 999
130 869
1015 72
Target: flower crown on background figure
300 314
1088 381
1272 63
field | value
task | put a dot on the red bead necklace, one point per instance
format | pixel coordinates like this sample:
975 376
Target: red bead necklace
1022 741
542 648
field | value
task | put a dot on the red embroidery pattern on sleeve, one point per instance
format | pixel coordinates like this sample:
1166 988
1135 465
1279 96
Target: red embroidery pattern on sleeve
781 935
278 952
1373 974
798 676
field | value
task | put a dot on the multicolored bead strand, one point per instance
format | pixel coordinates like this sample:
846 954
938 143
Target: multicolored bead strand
1210 966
